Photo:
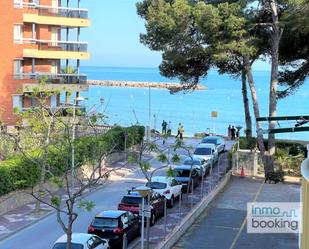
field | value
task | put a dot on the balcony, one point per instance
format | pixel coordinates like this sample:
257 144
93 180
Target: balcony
69 17
56 49
55 82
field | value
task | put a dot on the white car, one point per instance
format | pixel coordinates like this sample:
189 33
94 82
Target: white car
168 187
199 162
82 241
219 142
207 152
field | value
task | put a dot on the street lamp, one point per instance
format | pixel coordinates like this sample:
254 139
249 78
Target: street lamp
143 191
76 100
238 132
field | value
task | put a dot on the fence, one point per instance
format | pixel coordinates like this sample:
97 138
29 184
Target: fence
249 160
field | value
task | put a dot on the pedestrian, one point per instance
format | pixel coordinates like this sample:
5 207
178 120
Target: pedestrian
178 130
169 128
164 125
229 132
233 131
181 131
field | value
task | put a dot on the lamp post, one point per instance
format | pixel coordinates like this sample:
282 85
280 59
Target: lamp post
143 191
149 115
76 100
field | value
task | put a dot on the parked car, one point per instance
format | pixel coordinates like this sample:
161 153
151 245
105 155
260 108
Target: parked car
188 176
82 241
113 224
200 162
132 200
169 187
219 142
207 152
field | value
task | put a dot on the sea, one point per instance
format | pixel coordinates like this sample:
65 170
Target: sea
127 106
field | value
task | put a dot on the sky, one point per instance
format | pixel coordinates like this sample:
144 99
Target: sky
114 36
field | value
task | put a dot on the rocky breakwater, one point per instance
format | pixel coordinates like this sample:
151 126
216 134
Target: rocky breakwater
139 84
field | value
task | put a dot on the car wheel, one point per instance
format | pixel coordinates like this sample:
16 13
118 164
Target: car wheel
171 202
152 219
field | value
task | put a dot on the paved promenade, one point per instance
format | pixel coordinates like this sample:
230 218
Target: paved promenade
223 225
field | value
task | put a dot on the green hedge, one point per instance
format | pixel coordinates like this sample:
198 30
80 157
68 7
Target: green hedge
19 172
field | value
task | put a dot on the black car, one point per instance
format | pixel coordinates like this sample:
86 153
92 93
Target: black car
132 201
113 224
187 175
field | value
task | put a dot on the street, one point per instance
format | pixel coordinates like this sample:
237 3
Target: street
42 234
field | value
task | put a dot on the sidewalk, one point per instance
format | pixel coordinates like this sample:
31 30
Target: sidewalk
223 225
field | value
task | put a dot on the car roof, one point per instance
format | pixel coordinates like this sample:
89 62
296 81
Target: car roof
212 137
163 179
110 214
80 238
206 145
195 158
185 167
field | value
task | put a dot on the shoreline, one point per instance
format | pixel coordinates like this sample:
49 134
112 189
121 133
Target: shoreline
141 84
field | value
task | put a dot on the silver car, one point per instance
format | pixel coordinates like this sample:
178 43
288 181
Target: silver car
219 142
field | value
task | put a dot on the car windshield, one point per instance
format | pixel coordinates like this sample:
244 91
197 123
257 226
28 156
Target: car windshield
105 222
202 151
64 246
210 141
192 162
182 173
132 200
156 185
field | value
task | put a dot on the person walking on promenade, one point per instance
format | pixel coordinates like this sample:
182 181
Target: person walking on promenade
181 131
233 131
178 131
164 125
229 132
169 128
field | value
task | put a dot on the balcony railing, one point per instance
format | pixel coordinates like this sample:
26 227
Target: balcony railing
56 11
55 78
62 110
73 46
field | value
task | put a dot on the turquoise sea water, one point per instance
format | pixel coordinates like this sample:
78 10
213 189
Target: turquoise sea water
126 106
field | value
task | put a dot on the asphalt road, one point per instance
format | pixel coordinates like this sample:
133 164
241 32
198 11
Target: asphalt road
42 234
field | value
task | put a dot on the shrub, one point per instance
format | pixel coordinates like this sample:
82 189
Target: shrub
18 172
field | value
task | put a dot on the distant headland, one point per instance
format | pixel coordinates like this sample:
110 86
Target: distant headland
139 84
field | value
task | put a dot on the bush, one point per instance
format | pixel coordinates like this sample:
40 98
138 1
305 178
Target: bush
18 172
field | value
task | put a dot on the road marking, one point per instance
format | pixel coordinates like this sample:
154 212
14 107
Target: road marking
245 220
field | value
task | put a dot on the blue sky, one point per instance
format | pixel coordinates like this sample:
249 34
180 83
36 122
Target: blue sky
114 36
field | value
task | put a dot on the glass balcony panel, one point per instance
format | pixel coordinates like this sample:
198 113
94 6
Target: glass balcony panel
56 78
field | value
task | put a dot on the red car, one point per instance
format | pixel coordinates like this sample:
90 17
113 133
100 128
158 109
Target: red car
132 201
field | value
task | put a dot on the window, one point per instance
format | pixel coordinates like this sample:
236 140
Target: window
93 242
18 68
18 3
105 222
17 103
18 33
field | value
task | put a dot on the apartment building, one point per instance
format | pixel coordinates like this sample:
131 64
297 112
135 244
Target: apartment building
40 38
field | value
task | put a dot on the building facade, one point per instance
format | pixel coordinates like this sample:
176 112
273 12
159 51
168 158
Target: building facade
40 39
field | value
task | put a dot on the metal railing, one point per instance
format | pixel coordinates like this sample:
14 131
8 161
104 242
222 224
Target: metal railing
55 78
74 46
55 11
62 110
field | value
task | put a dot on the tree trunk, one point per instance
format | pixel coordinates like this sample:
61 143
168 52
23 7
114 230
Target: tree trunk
70 224
39 195
275 40
256 110
246 104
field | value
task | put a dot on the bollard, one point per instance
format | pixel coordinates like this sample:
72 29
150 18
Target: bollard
124 241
